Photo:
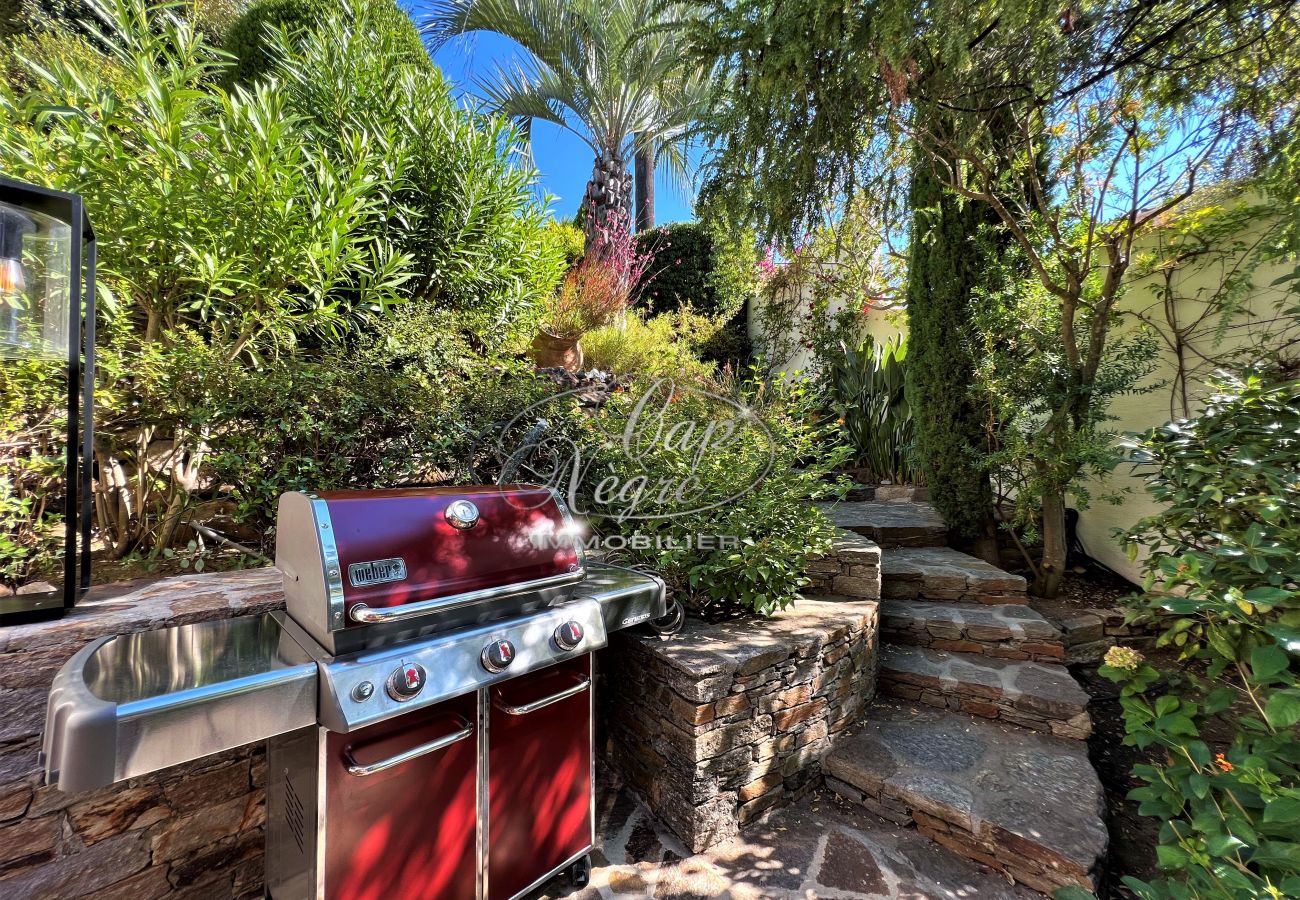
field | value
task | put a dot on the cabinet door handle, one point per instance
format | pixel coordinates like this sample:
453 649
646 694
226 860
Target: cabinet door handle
580 685
356 768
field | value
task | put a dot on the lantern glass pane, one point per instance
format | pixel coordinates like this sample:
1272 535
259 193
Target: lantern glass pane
35 284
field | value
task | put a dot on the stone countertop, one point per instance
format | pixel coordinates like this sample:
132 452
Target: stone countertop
742 646
180 600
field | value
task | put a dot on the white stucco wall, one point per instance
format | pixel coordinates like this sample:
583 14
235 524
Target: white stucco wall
1193 287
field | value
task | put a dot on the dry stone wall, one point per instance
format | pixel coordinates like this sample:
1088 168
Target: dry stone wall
194 830
851 568
725 723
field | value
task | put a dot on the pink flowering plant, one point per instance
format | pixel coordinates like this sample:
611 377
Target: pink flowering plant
598 289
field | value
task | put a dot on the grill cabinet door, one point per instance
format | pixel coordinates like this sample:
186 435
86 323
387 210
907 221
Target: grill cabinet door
407 831
539 775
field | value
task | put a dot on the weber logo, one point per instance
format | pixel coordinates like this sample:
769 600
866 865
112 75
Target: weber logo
377 571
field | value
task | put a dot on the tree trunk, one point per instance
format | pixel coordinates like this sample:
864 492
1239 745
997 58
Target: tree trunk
985 545
609 195
1052 569
645 189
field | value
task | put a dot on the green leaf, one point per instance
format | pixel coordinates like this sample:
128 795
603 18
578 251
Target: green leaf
1072 892
1282 810
1223 844
1169 856
1288 638
1283 708
1267 661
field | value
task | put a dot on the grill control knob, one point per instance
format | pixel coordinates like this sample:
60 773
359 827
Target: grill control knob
568 635
497 655
406 682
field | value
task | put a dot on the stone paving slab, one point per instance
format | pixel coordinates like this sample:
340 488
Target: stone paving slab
1033 695
889 524
821 847
1028 804
1010 631
941 573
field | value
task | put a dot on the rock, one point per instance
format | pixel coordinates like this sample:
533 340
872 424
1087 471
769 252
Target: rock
1025 803
1030 694
896 524
726 722
1010 631
944 574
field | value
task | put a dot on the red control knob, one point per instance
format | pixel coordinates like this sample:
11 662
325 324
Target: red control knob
406 682
568 635
498 655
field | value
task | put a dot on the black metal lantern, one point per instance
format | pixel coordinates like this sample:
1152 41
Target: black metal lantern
47 248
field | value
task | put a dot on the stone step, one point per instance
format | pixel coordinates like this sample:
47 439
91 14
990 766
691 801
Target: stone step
941 573
1011 631
1033 695
851 568
889 524
1026 804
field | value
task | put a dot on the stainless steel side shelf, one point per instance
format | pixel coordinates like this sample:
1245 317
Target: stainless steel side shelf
132 704
627 597
127 705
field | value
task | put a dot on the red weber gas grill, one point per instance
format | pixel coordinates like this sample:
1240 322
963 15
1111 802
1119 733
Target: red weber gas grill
427 694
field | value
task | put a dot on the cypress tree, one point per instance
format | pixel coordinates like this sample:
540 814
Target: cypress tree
947 262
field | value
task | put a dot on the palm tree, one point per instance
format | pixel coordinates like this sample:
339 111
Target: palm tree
610 71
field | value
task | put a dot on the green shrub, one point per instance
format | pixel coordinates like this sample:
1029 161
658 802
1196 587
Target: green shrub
269 228
163 160
695 266
250 41
569 239
748 495
1223 575
33 420
868 396
401 407
457 203
661 346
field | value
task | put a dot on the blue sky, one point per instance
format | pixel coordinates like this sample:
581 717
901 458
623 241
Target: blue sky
563 160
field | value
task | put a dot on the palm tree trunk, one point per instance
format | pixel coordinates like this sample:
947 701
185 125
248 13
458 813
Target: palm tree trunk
645 189
609 195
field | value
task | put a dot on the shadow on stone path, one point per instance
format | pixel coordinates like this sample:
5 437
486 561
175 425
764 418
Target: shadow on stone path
819 847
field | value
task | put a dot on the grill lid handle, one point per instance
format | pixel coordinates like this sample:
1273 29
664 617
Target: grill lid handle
368 615
356 768
581 684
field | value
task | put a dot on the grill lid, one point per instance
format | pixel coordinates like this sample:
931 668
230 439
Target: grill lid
357 558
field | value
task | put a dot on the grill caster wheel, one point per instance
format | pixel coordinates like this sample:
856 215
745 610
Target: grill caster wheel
580 872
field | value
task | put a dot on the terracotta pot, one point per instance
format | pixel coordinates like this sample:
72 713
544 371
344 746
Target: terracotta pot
548 350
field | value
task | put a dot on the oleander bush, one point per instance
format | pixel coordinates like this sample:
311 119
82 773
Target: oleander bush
256 238
1223 576
251 39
